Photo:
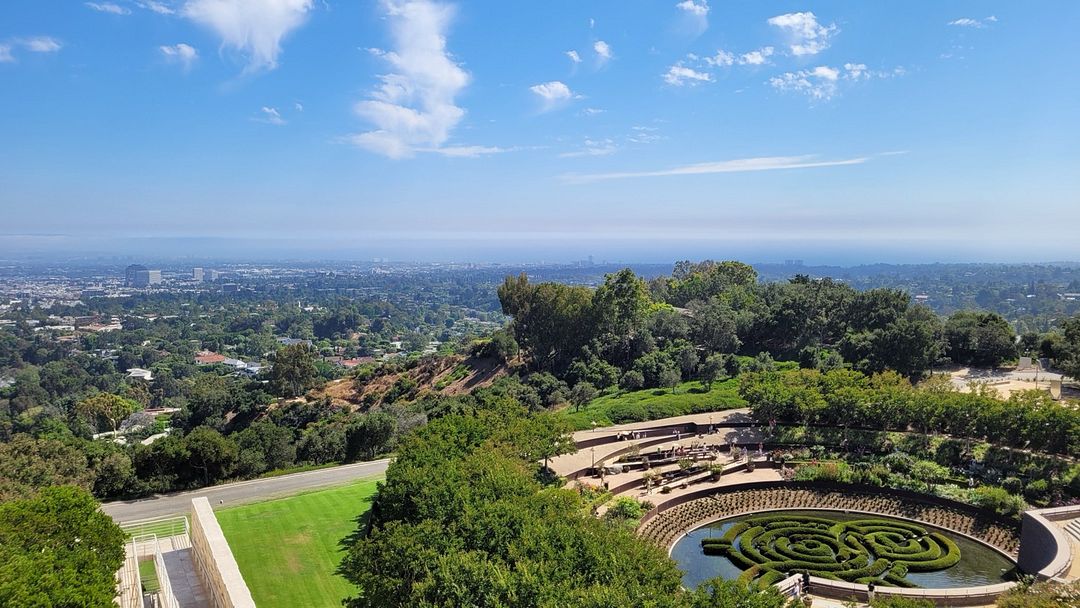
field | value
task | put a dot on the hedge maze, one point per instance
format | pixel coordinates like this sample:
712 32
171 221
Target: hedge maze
882 551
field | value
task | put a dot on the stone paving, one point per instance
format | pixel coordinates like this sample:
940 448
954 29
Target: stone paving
184 579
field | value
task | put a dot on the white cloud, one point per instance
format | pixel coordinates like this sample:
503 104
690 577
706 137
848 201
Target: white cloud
271 116
592 147
758 57
818 84
157 7
299 107
109 7
975 23
856 71
553 94
592 111
679 75
255 28
603 51
35 44
573 55
41 44
699 8
741 165
414 108
722 58
808 37
181 53
466 151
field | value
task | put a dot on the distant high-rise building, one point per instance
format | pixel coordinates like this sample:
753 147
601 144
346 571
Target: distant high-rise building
211 275
130 272
146 278
197 274
230 288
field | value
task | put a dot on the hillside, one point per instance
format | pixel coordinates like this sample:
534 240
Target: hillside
450 375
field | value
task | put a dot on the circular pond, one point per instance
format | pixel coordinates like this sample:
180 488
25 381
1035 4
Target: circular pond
854 547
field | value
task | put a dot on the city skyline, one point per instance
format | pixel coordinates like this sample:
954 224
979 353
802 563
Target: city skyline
472 130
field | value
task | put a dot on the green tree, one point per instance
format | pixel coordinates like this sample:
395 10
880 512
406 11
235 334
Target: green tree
670 378
979 338
581 394
57 550
632 380
27 464
211 453
367 434
1066 349
113 408
713 369
294 371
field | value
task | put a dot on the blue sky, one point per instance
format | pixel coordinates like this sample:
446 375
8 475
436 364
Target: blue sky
524 130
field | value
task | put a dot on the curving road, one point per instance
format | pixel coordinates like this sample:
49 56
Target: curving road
232 494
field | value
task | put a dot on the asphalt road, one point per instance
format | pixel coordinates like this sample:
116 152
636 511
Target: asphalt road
241 492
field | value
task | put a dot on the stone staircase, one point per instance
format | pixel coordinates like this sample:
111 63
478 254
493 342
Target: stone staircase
1073 529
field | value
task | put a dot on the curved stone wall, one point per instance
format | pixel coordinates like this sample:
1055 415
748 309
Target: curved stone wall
671 519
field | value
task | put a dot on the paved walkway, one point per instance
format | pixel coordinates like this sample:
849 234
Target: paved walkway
241 492
583 458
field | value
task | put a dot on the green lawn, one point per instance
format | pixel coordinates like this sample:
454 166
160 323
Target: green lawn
652 404
288 549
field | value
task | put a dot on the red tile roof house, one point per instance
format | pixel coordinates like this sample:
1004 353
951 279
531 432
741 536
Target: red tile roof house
207 357
357 361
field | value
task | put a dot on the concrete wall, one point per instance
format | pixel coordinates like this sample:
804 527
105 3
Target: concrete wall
1045 551
214 559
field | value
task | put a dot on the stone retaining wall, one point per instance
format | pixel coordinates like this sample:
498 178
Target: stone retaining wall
214 559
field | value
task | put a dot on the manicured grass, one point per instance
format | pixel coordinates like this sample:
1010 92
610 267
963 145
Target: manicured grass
148 575
652 404
288 549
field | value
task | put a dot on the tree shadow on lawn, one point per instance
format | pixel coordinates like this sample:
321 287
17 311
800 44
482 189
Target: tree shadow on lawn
363 525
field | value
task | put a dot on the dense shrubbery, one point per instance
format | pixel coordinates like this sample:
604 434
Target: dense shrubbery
462 520
57 549
889 402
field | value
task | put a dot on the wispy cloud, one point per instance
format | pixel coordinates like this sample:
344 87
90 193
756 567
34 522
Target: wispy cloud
157 7
603 52
574 57
270 116
592 111
33 44
808 37
255 28
552 94
181 53
680 75
741 165
593 147
109 7
414 109
975 23
467 151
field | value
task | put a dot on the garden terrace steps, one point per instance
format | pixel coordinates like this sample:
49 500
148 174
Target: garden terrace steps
1073 529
